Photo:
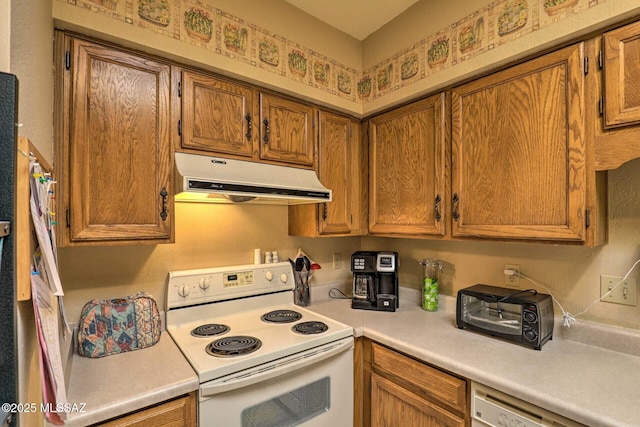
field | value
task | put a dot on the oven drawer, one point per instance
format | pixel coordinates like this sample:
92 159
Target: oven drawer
422 379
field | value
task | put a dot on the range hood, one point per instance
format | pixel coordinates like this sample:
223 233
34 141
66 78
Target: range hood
219 180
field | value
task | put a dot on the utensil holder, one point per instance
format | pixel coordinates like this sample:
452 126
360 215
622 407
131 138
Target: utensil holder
301 294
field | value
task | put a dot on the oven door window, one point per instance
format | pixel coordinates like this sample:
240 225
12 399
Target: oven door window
291 408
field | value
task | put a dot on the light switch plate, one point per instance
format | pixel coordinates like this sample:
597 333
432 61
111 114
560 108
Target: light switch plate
625 293
337 258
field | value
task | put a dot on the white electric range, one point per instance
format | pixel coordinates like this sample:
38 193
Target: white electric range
260 359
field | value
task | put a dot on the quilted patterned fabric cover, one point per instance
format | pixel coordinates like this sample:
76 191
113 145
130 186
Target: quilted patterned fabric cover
118 325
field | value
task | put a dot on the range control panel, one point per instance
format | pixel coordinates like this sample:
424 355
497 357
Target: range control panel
191 287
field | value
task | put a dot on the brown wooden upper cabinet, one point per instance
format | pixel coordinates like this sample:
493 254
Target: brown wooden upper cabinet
217 115
224 118
340 168
519 161
113 146
622 76
409 169
617 127
287 133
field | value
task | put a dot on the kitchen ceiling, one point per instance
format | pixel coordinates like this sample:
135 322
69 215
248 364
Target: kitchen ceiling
358 18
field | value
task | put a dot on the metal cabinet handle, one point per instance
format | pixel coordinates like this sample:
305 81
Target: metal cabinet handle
454 207
325 211
165 206
436 207
266 131
249 129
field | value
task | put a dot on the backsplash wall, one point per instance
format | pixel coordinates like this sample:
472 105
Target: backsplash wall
572 273
207 235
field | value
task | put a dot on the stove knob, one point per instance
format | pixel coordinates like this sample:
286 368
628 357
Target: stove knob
284 277
184 291
204 284
268 275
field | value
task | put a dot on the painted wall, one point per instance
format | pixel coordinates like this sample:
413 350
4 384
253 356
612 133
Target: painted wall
5 35
206 236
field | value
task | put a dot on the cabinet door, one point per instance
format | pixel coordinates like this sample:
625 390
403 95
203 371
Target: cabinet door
622 76
518 161
408 169
286 131
335 166
119 154
392 405
217 116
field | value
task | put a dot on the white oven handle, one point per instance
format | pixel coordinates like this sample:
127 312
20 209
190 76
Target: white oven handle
275 368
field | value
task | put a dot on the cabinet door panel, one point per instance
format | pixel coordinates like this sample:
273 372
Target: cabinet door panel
119 146
334 168
286 131
622 76
392 405
217 116
519 151
408 169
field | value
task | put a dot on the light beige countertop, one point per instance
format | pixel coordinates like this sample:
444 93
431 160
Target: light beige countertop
576 374
115 385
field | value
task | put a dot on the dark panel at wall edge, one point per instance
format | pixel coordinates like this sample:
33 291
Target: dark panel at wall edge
8 136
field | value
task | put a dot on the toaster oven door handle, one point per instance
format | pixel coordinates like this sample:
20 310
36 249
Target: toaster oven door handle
273 369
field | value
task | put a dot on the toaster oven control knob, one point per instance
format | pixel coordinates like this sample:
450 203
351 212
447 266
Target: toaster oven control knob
529 316
530 335
204 283
184 291
284 277
268 275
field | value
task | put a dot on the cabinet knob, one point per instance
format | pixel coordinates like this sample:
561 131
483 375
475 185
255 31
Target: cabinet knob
266 131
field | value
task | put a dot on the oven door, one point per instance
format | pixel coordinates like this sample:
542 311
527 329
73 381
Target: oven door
312 388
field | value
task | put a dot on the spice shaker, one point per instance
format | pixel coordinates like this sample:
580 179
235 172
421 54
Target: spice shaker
430 284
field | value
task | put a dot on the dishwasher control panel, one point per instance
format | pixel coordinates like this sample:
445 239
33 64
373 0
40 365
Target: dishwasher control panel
496 409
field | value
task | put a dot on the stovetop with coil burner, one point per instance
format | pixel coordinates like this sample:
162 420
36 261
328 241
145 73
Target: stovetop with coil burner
226 336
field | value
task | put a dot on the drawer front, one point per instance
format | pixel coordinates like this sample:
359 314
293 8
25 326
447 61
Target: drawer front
422 379
180 412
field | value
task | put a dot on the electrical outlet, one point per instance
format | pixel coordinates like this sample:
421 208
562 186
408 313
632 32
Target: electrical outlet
514 280
625 293
337 258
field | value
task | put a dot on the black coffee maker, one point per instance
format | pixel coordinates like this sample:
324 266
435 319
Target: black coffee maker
375 280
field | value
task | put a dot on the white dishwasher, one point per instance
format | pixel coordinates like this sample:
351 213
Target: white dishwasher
492 408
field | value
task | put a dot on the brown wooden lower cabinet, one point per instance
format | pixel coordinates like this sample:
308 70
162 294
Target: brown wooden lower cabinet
393 405
180 412
397 390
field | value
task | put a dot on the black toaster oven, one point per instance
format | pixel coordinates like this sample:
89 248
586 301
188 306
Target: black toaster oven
522 316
